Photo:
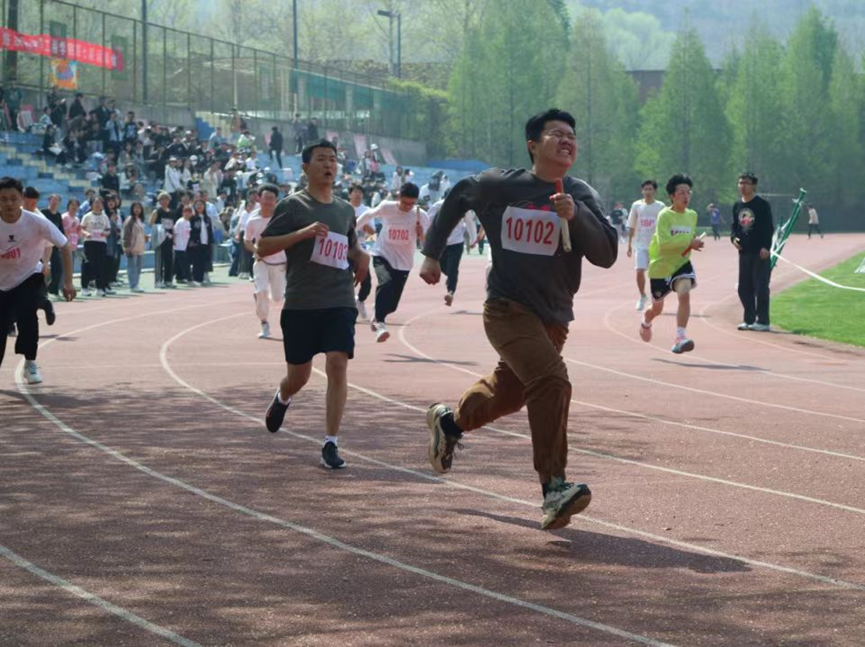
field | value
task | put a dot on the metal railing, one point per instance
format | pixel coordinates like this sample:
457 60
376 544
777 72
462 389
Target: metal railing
171 68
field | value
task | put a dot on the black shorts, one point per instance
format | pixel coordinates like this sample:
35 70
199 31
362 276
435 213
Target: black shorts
306 333
663 287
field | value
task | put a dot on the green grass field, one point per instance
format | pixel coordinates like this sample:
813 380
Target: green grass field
818 310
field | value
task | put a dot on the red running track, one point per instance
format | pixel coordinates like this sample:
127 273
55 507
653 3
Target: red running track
143 503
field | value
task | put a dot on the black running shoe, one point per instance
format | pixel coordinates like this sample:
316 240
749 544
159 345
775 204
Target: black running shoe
441 446
50 316
330 457
275 414
562 501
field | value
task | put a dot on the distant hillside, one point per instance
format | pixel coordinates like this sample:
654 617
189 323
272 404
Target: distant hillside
720 24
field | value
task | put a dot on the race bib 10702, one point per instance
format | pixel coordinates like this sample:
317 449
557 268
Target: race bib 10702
529 231
331 251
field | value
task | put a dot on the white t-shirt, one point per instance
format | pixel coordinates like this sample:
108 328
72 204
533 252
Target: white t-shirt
245 216
397 240
254 226
22 245
182 230
98 226
642 219
457 236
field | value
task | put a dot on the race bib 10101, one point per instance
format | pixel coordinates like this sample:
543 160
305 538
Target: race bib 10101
529 231
331 251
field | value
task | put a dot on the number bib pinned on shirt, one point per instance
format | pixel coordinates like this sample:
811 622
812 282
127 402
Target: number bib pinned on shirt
331 251
528 231
396 235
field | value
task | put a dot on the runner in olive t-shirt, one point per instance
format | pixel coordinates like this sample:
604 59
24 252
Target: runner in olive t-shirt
530 298
317 232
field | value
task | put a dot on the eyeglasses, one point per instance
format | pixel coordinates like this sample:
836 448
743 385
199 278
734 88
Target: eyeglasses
559 134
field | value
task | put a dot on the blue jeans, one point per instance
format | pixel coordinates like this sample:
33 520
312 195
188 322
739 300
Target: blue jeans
234 252
133 270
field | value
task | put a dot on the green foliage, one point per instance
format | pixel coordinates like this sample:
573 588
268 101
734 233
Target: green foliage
603 100
684 128
508 70
428 108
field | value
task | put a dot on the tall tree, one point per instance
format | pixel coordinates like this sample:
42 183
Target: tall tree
603 100
684 128
756 115
510 70
846 102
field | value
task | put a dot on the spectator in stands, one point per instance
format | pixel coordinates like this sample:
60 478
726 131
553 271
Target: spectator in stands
93 132
312 130
103 114
95 228
51 149
53 214
432 191
114 130
229 185
76 109
200 242
114 245
75 145
86 206
212 179
138 158
72 226
182 231
245 141
110 181
177 148
41 126
216 139
275 146
164 217
173 179
57 105
299 133
130 129
13 98
134 242
128 179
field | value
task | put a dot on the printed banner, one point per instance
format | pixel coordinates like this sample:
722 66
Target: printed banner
64 74
65 48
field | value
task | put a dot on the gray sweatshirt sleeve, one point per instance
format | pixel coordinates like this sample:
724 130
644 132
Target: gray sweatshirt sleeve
590 232
465 195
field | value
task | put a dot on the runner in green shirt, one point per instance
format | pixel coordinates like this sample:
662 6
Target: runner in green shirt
670 267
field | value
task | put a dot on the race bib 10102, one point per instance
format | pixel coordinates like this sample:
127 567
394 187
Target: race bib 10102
529 231
331 251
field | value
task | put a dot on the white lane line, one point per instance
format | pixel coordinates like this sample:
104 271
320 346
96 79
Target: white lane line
744 335
682 387
583 518
95 600
701 477
331 541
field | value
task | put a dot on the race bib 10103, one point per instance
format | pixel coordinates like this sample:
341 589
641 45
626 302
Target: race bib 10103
529 231
331 251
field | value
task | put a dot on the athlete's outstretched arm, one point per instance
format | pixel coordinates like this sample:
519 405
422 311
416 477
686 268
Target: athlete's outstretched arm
596 238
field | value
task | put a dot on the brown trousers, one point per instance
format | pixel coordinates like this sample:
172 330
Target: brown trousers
530 372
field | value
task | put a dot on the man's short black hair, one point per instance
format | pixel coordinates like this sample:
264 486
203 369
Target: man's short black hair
11 183
535 125
272 188
356 186
306 155
652 182
676 180
31 192
409 190
747 175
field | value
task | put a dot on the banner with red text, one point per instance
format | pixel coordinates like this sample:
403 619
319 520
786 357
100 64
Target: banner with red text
67 48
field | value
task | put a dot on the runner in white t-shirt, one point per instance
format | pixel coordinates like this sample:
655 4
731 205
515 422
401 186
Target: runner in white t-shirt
355 198
23 237
403 226
453 254
269 272
641 227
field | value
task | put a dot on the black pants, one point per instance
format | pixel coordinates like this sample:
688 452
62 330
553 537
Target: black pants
716 232
112 267
198 257
754 275
167 250
19 305
365 287
450 263
810 227
389 289
94 267
56 272
277 153
181 265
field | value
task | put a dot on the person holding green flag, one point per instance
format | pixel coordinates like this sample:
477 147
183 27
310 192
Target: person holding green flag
670 268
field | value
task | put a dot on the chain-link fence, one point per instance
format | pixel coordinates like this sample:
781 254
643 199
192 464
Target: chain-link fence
170 68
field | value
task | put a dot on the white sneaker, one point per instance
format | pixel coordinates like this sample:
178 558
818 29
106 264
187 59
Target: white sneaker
86 292
759 327
641 303
109 291
194 284
31 372
265 331
449 299
103 293
381 333
744 326
158 285
361 308
137 290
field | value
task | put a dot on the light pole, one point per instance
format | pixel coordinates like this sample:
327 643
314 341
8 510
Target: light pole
396 68
144 52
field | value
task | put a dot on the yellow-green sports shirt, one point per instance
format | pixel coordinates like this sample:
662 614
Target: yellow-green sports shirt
673 234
